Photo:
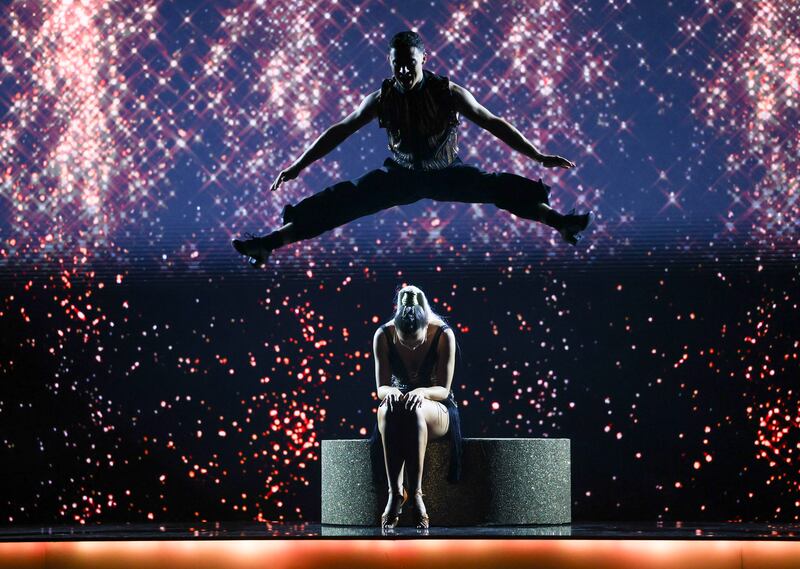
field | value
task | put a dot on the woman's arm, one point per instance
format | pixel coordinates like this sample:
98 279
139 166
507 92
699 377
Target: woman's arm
383 371
445 366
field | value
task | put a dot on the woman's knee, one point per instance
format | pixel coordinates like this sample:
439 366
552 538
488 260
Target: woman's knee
407 420
397 414
419 417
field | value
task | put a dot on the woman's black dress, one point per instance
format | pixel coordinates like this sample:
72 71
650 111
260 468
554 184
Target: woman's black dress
400 380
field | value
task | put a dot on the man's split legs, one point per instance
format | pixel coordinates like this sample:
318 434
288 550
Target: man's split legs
384 188
569 225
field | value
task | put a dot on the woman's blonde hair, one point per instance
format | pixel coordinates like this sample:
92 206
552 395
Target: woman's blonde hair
412 310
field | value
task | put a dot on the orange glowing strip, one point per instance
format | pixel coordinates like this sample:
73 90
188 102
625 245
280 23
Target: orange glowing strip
404 554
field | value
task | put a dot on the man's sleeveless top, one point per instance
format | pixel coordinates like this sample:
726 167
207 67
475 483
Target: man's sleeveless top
421 123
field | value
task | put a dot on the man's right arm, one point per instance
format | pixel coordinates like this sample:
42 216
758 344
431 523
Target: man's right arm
331 138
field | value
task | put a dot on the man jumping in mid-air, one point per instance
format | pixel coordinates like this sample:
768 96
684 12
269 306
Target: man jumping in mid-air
420 112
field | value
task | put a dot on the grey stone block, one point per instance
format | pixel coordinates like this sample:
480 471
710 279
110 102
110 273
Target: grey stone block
505 482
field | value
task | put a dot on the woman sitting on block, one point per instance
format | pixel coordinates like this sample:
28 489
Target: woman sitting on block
414 363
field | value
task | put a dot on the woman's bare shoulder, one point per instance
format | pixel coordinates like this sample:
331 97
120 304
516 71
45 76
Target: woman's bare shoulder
383 329
447 338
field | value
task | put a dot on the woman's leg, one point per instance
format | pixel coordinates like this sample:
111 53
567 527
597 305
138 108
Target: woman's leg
390 427
428 422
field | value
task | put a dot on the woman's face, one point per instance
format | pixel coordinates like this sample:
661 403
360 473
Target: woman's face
412 341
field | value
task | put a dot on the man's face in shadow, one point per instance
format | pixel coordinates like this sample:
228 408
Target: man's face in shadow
407 66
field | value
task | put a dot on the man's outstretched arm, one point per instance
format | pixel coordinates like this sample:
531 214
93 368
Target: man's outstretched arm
331 138
502 129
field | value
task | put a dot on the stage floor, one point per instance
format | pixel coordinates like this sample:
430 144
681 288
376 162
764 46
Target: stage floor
726 531
312 546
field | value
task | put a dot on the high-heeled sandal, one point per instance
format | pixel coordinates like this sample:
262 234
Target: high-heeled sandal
390 519
421 518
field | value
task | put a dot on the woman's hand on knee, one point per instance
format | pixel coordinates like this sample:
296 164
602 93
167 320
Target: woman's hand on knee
392 398
413 399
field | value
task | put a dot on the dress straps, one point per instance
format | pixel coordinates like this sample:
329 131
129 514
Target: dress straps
397 365
426 368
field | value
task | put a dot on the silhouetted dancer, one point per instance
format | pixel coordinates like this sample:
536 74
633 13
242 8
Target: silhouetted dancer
420 112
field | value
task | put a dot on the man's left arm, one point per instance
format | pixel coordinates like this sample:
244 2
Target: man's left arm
502 129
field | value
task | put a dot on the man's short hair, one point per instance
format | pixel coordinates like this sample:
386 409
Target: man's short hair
407 39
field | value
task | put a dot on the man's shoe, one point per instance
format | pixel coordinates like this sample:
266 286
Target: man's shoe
253 248
573 224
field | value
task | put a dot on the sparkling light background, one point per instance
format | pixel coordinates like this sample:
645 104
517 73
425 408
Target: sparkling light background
147 374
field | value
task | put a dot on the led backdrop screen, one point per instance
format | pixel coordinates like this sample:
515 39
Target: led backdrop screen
147 373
